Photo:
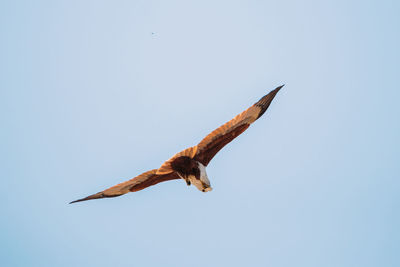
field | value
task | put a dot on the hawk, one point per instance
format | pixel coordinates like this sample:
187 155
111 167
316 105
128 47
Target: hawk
190 164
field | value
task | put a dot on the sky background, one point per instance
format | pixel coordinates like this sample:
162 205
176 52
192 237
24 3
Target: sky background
96 92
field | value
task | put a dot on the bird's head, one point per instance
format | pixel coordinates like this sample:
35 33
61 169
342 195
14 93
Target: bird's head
202 183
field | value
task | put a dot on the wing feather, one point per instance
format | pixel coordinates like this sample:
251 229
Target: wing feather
217 139
140 182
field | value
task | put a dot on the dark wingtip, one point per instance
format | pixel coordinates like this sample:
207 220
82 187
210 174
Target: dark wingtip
278 88
94 196
266 100
82 199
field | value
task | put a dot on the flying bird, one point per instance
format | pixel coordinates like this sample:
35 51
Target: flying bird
190 164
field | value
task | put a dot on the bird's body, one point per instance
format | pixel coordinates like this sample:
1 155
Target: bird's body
190 164
193 172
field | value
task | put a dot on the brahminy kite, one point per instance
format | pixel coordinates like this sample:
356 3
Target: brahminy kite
190 164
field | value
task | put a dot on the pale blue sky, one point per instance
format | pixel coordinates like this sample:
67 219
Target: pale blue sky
96 92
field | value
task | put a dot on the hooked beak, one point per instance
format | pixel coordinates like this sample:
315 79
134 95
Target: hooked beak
207 189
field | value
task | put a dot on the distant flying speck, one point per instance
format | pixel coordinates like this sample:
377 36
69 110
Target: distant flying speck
190 164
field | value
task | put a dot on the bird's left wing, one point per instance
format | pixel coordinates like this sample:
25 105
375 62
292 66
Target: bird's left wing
220 137
135 184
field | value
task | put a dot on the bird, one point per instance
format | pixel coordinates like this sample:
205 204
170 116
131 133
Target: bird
190 164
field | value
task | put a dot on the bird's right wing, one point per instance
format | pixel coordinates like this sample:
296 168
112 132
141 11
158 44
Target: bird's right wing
220 137
135 184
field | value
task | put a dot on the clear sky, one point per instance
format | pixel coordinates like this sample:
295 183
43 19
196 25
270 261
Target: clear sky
96 92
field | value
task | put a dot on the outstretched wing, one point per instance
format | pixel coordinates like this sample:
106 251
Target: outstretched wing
217 139
135 184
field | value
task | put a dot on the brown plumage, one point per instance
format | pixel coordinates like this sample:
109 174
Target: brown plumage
190 163
140 182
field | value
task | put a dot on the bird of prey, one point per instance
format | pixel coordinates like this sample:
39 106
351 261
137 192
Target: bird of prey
190 164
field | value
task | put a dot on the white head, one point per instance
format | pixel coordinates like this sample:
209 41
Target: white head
203 184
